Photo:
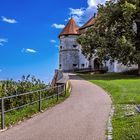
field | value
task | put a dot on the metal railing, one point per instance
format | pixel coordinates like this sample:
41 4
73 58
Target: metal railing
58 90
91 69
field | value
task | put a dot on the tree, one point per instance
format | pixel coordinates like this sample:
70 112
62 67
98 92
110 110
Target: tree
115 34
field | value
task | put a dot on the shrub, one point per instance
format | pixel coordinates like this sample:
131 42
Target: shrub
26 84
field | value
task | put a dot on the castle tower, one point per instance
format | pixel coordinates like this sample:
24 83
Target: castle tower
69 48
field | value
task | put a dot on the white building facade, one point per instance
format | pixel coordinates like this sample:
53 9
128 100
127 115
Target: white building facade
70 54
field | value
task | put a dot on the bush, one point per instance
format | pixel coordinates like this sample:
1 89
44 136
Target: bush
26 84
131 72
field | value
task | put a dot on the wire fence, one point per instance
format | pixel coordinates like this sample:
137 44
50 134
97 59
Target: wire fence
19 101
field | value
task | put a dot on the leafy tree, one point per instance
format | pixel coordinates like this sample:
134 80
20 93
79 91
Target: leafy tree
115 34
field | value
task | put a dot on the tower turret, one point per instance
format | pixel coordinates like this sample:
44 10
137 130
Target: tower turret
69 48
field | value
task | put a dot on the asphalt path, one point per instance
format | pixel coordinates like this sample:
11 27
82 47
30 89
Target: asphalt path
83 116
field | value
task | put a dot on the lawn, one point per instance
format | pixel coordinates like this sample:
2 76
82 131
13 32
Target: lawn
125 93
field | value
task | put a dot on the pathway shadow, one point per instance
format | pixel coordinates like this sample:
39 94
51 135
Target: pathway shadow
75 77
107 76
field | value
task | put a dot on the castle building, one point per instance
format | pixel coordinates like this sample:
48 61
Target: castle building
70 54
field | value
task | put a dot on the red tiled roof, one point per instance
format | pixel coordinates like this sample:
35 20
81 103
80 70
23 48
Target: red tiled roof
88 24
70 29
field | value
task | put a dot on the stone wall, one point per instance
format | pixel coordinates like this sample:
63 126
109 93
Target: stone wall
71 57
69 53
121 68
83 62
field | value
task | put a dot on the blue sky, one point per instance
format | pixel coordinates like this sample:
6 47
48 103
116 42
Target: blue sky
29 32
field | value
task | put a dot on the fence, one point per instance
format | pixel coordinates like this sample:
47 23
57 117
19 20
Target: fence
92 69
40 95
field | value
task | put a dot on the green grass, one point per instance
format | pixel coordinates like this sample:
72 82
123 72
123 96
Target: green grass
27 112
125 92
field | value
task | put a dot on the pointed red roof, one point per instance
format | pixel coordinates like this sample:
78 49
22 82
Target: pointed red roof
70 29
88 24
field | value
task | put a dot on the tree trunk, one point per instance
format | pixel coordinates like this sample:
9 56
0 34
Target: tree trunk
138 68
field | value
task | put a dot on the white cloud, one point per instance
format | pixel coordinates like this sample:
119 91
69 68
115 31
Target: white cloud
57 46
78 12
58 26
81 15
8 20
28 50
2 41
92 3
31 50
52 41
77 15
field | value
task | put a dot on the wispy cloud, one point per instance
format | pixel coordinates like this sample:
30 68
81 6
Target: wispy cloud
28 50
57 46
58 26
77 14
79 11
8 20
2 41
81 15
53 41
94 3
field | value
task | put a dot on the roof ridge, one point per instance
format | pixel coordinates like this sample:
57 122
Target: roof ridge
89 23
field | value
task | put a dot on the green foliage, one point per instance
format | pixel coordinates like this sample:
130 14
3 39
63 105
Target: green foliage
115 34
26 84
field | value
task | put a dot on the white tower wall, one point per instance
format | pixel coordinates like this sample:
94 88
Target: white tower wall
69 53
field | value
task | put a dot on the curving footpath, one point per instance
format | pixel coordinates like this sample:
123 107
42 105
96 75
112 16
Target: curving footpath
83 116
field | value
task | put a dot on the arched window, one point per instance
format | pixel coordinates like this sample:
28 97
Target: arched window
96 64
60 66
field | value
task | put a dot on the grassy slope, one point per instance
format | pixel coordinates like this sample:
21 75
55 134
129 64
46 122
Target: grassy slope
125 92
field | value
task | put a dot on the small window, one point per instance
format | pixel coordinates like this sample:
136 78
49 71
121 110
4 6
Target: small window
74 46
89 66
83 65
74 65
60 66
61 47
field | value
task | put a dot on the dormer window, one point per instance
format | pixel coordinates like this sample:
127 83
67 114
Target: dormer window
74 46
